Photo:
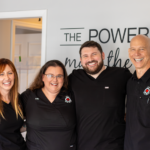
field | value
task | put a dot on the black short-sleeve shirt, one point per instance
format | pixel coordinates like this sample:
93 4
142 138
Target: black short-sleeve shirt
10 136
50 126
137 135
100 108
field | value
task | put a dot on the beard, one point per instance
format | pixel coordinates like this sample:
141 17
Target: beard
96 70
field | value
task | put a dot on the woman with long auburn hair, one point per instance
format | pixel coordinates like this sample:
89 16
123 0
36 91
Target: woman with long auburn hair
50 110
11 114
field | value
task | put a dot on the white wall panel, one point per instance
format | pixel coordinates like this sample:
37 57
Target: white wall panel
96 14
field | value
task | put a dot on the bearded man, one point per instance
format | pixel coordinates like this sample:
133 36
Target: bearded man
100 93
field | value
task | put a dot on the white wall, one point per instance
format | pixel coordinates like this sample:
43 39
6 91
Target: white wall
5 32
90 14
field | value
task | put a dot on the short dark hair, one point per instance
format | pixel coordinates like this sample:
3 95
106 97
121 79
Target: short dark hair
38 83
90 44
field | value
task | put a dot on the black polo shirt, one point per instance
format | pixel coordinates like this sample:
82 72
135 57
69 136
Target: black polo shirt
50 126
100 107
138 113
10 136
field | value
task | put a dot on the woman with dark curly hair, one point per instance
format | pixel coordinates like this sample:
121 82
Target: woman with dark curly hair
11 115
50 111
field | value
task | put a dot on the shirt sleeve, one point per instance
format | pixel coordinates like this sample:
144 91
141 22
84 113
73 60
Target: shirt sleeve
24 99
128 75
69 81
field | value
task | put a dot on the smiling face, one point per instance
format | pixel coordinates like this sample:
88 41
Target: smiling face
53 85
6 79
92 60
139 52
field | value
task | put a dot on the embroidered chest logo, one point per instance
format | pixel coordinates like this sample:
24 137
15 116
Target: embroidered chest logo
68 99
147 91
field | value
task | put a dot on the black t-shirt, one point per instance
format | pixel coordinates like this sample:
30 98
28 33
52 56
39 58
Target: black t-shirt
50 126
137 135
10 136
100 107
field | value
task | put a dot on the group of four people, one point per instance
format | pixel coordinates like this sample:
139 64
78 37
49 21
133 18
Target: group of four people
85 114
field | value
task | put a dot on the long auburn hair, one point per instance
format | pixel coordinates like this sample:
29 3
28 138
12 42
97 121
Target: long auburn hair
13 94
38 83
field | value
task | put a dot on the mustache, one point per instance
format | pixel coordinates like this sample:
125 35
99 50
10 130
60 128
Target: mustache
91 62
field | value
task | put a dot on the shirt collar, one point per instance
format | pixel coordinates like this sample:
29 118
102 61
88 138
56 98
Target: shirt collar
144 78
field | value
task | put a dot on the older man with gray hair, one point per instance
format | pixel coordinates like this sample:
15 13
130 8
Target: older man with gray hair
137 135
